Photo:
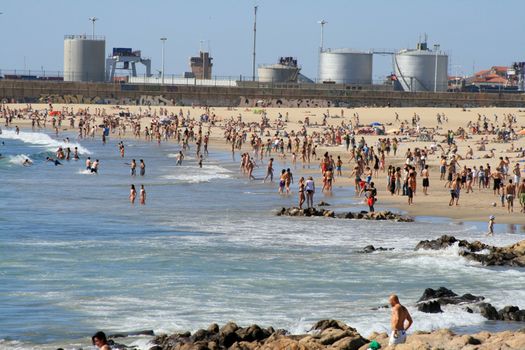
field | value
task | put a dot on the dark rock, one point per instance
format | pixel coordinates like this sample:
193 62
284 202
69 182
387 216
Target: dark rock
473 341
371 249
130 334
441 292
513 255
228 334
325 324
381 215
213 328
436 244
445 296
430 307
488 311
323 204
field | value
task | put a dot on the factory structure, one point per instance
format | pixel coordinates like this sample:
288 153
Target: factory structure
345 66
418 69
421 69
84 58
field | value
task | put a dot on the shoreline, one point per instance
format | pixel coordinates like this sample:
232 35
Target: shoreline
475 207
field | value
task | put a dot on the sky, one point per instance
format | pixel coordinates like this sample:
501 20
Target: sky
477 34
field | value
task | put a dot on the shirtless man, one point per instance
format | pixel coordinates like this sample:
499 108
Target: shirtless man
510 194
400 322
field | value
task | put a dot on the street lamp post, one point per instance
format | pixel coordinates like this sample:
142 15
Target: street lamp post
436 49
322 23
93 20
254 40
163 44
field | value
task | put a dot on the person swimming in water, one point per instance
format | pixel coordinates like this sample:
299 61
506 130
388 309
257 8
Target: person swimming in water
56 162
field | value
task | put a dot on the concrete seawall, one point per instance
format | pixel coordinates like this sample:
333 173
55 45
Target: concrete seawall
74 92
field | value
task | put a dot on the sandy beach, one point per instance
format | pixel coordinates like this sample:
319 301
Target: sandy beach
475 206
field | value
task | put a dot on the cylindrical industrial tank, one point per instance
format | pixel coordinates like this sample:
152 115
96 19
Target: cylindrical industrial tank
84 58
416 70
345 66
278 73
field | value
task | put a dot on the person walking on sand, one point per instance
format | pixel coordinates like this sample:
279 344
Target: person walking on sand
400 321
510 194
521 195
100 341
426 182
132 194
491 225
142 196
310 191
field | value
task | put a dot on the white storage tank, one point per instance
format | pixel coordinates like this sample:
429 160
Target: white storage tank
84 58
277 73
345 66
421 69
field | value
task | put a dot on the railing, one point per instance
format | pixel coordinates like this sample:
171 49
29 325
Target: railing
85 37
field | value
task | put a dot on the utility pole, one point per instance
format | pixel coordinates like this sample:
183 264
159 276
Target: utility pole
322 23
254 40
436 48
163 44
93 20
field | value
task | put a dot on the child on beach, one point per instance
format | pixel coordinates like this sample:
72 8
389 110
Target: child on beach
491 225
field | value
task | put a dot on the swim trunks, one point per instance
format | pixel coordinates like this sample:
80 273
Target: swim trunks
397 337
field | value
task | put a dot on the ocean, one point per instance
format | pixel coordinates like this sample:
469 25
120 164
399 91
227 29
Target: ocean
76 257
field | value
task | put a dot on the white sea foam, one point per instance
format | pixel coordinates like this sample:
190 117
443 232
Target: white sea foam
194 174
41 139
19 159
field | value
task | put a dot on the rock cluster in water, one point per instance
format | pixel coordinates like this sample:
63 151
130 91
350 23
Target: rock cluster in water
513 255
364 215
432 300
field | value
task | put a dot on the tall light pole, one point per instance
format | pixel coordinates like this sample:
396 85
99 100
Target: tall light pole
254 40
436 49
93 20
322 23
163 44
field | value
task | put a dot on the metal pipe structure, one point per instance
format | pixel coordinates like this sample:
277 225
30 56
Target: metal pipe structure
254 40
93 20
322 23
436 48
162 73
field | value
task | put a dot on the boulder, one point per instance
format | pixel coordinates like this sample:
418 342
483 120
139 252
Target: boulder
323 204
371 249
488 311
430 307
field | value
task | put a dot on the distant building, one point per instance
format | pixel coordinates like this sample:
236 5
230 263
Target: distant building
201 66
497 75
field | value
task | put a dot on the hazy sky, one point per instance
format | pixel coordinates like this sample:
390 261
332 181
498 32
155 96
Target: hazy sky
475 33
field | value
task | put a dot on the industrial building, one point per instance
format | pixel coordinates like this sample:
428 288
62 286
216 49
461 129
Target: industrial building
345 66
201 66
421 69
286 71
126 59
84 58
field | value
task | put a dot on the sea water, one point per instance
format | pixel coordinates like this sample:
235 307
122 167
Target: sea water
76 257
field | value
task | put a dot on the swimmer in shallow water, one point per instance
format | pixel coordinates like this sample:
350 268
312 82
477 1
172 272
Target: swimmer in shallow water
27 162
56 162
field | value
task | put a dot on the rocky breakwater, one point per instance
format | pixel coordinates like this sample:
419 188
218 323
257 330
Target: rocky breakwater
330 335
362 215
445 339
513 255
432 300
326 334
